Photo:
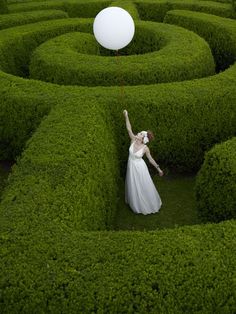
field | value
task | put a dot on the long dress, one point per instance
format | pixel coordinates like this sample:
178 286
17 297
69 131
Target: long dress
140 191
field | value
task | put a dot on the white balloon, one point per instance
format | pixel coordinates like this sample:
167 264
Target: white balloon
113 28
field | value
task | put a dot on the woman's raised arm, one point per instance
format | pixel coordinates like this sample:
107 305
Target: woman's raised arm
128 126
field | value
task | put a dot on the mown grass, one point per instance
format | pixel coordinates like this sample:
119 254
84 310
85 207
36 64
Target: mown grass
178 205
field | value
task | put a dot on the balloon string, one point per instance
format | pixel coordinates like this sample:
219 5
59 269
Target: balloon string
120 79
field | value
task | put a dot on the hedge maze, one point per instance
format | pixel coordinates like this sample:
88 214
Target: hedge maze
61 121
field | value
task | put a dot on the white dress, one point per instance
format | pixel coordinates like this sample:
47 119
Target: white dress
140 191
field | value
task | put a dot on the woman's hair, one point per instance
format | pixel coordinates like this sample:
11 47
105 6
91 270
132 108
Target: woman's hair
150 135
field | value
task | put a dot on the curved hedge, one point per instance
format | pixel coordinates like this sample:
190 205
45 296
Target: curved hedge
15 19
215 188
181 56
127 5
222 1
183 270
219 32
71 176
35 5
156 10
210 7
17 43
88 8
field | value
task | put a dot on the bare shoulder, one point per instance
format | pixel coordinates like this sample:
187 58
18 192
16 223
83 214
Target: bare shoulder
146 149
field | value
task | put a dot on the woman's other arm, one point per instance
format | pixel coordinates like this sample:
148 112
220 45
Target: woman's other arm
152 161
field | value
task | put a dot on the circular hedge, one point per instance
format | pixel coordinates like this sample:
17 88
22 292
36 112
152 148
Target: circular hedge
215 185
72 59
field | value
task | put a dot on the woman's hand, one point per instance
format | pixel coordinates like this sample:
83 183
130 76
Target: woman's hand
161 173
125 112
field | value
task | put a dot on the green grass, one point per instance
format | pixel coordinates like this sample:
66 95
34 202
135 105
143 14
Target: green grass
178 205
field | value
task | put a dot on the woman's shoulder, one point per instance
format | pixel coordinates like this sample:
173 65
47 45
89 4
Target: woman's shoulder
146 148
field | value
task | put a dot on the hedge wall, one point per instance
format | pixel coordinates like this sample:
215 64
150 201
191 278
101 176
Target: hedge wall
72 7
216 183
128 6
69 168
15 19
3 7
156 10
210 7
152 11
85 8
183 270
219 32
36 5
16 44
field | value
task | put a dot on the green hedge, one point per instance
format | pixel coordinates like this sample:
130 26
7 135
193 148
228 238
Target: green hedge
68 171
220 33
20 1
74 8
23 105
152 11
17 44
222 1
85 8
210 7
15 19
215 188
156 10
3 6
183 270
187 118
182 114
180 56
34 5
128 6
233 2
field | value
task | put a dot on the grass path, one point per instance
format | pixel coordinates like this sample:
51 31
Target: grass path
178 206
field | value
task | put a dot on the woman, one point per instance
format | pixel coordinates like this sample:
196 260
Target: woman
140 191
